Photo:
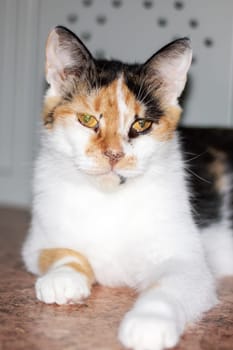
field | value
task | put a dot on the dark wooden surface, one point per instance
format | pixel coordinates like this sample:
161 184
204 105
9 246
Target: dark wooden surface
27 324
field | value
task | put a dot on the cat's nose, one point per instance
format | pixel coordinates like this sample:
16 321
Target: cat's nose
114 156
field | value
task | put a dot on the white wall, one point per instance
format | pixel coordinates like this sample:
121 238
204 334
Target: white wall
18 42
126 29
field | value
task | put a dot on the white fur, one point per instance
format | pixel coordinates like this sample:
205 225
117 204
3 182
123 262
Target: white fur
218 244
62 285
218 239
140 234
145 327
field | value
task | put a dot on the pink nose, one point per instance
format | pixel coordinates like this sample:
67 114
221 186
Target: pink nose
113 156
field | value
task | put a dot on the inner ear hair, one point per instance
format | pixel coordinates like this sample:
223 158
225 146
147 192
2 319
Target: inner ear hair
66 56
167 70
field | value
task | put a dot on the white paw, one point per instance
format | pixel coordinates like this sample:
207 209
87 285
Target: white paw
62 286
148 331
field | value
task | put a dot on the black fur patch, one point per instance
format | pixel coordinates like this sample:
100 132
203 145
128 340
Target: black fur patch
202 148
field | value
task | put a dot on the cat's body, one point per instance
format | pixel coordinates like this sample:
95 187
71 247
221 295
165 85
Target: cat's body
111 203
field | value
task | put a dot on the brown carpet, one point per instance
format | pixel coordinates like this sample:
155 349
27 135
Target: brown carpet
27 324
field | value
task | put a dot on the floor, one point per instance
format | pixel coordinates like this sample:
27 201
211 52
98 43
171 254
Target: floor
25 323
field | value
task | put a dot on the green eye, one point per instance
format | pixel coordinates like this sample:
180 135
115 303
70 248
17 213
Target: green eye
140 126
88 120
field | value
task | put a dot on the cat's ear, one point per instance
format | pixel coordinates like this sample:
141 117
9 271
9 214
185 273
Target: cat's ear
166 71
66 56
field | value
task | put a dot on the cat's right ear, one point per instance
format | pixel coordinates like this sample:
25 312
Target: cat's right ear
66 56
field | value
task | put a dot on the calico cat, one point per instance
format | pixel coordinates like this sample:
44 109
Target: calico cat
111 201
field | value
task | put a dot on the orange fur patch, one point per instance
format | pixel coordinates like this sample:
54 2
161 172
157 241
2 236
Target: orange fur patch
167 124
49 256
50 104
108 137
63 111
218 168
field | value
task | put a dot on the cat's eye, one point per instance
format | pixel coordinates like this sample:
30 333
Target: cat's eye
140 126
88 120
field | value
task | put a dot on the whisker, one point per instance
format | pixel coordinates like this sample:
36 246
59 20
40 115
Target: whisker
147 103
198 176
148 92
195 157
141 88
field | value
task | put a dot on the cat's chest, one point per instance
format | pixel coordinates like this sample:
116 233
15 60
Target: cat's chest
118 248
117 234
121 234
111 216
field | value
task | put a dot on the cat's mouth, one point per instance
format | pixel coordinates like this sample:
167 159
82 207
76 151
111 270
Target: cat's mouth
112 174
122 179
109 173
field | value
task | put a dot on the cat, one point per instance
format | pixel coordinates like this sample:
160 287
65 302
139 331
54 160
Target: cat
112 201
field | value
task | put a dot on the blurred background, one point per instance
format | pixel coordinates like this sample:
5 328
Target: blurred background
130 30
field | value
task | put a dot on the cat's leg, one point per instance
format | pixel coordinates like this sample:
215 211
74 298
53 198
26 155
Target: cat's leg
66 276
158 318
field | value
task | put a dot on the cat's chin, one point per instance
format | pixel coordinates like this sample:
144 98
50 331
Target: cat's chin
108 182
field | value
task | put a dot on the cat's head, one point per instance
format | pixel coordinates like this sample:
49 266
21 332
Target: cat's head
109 118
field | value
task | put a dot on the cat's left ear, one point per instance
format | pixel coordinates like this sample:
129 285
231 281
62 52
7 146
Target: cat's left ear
166 71
66 56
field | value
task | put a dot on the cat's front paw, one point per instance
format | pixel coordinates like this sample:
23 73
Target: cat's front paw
62 287
148 331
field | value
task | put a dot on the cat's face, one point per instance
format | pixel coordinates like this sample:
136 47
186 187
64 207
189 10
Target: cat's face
111 119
